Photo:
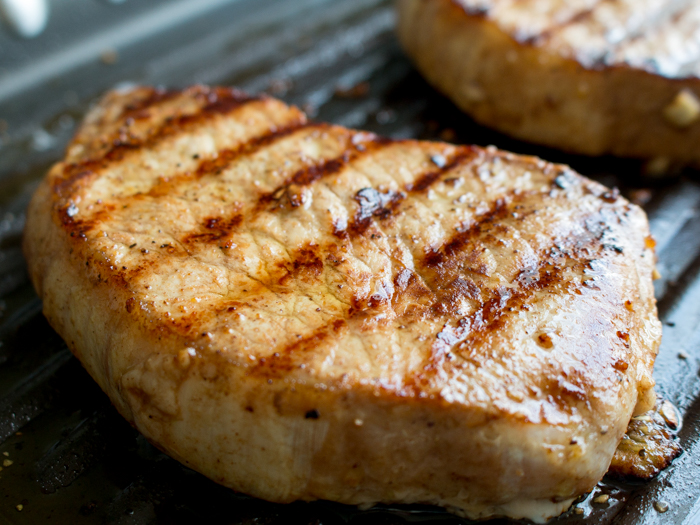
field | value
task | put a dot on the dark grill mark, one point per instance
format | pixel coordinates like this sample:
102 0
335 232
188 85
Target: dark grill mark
308 260
306 265
284 360
554 28
304 177
374 204
442 285
382 205
499 210
138 109
471 337
549 32
219 101
425 180
224 100
79 226
74 176
308 175
225 157
474 332
411 294
214 229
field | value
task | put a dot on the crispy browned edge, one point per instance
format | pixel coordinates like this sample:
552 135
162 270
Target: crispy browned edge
537 95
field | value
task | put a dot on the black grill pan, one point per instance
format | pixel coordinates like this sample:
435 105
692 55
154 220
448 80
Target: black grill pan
74 459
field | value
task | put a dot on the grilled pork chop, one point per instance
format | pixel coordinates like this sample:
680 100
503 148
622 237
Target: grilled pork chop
587 76
302 311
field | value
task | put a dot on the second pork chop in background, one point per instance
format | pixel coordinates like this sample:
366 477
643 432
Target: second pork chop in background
590 77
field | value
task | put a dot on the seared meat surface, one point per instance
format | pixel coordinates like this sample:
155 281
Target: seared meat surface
590 77
302 311
649 445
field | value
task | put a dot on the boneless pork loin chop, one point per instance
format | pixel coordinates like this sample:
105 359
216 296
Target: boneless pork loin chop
303 311
588 76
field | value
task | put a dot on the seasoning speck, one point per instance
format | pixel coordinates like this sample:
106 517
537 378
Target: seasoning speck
661 506
359 422
7 463
6 454
19 507
682 355
72 210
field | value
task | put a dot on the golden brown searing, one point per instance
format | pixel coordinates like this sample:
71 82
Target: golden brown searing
586 76
649 444
302 311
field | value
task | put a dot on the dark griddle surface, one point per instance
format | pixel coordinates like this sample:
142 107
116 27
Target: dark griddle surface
75 460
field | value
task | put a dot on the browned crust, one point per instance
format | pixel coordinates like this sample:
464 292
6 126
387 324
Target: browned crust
649 445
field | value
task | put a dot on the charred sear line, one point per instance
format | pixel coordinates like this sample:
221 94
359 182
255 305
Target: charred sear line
540 38
308 259
442 283
73 178
224 100
226 157
306 264
217 101
410 293
471 333
499 211
311 174
79 227
305 177
215 229
457 284
425 180
292 356
138 110
374 204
